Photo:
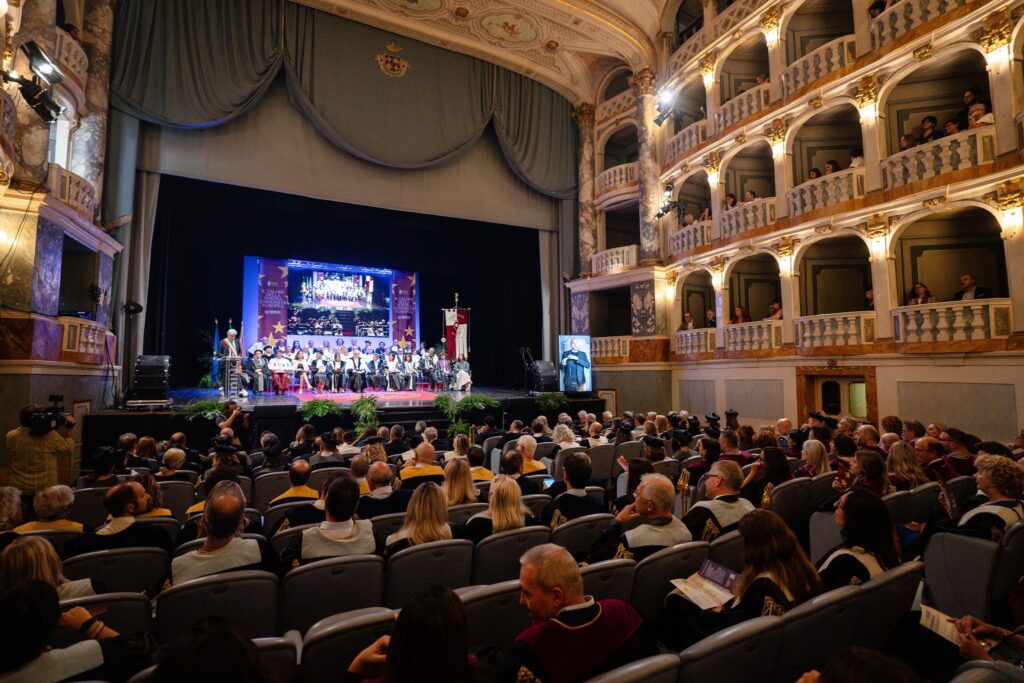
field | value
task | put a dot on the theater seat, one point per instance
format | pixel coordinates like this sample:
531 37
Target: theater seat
824 535
327 587
410 571
885 600
267 487
385 525
816 630
578 535
609 579
56 537
653 575
496 558
657 669
330 645
536 502
460 514
179 496
247 597
128 570
123 612
988 672
494 614
743 652
88 509
727 550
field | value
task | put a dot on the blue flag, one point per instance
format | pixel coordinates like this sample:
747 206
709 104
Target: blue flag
215 370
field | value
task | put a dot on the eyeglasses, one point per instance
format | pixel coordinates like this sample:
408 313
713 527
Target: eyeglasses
716 476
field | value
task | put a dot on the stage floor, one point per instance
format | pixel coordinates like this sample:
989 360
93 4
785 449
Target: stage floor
391 399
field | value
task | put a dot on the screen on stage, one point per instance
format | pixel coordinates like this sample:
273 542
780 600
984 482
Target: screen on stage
574 363
340 305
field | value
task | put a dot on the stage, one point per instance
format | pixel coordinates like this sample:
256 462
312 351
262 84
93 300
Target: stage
393 399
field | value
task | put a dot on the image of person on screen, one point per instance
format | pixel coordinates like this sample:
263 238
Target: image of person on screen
574 367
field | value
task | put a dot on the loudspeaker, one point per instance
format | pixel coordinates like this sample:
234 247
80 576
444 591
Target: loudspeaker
150 378
544 375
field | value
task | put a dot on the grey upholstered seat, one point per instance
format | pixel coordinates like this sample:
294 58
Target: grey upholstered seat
743 652
609 579
247 597
727 550
815 630
494 614
578 535
321 589
657 669
447 563
653 575
127 570
496 558
335 640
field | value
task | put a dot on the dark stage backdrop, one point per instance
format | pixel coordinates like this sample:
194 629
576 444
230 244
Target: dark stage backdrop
204 229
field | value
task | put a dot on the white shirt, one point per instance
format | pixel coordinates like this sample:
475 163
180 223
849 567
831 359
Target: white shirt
58 664
115 526
281 364
239 552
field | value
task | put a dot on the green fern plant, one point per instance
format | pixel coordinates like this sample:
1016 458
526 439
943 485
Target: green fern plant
208 410
364 412
445 404
319 407
473 402
551 401
458 427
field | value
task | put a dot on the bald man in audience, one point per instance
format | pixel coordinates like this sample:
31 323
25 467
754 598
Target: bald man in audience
299 491
422 468
658 528
931 457
383 499
720 513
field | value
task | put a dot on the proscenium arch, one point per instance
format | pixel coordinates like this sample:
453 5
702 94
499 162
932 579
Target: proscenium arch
952 207
902 73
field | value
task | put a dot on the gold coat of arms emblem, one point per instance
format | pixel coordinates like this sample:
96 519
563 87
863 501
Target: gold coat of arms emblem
390 63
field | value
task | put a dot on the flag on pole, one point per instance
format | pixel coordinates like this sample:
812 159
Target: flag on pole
215 370
456 331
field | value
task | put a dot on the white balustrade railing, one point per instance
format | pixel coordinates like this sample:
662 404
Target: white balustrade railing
761 335
826 190
689 237
688 50
747 216
71 57
735 14
686 139
617 177
829 57
965 149
623 103
951 321
619 258
903 17
83 336
743 105
835 329
609 347
701 340
72 190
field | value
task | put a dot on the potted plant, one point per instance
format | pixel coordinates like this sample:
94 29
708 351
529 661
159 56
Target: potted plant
323 413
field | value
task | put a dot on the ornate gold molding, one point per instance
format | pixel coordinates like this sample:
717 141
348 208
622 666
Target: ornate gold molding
823 229
583 115
816 102
932 202
1010 200
867 91
643 82
923 53
785 246
996 33
711 161
877 226
770 19
717 264
776 131
707 63
740 139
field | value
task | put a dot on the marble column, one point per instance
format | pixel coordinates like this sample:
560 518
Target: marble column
88 144
722 313
32 136
872 128
584 118
647 168
883 275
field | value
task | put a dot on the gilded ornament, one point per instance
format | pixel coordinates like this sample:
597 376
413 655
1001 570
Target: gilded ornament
1011 200
707 63
711 162
741 138
933 202
643 82
551 45
583 115
817 102
461 12
390 63
997 31
877 226
923 53
776 131
770 19
867 92
823 229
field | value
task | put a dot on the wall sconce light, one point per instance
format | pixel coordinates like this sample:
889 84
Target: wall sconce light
998 57
771 37
778 149
1012 221
712 178
709 78
868 113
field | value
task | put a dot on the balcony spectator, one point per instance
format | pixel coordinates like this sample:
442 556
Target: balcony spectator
762 78
749 196
876 8
814 174
920 295
969 289
952 127
688 219
972 96
869 300
739 315
832 166
688 323
705 215
907 140
710 319
774 311
929 130
856 157
730 202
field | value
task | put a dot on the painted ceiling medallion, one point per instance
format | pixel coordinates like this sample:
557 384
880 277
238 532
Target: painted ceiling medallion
509 28
461 12
421 5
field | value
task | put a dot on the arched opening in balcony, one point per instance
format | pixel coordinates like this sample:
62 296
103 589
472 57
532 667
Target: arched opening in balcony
610 313
749 177
690 104
617 84
621 147
622 225
696 297
743 82
827 160
692 217
688 22
754 287
818 39
835 276
931 126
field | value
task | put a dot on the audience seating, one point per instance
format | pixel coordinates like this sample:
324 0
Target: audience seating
460 514
545 450
123 612
320 589
966 575
267 487
179 496
815 631
630 450
602 458
563 453
448 563
962 488
884 601
919 503
988 672
621 484
247 597
198 543
727 550
81 481
657 669
744 652
578 535
896 501
272 517
385 525
280 541
490 448
57 538
122 570
88 509
332 642
821 489
596 492
536 503
169 524
670 468
789 499
494 614
496 558
320 475
483 488
609 579
653 575
279 655
824 535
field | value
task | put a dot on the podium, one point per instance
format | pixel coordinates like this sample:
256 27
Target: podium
231 376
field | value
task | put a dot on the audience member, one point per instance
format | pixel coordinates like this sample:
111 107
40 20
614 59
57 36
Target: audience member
527 445
957 446
328 455
103 476
426 520
170 466
979 116
636 469
478 469
505 511
876 8
458 483
511 464
903 467
574 502
739 315
814 174
384 499
658 528
721 512
33 558
929 130
421 469
299 490
339 534
951 127
931 458
832 166
815 458
312 512
124 502
52 506
769 470
907 140
912 429
868 546
730 202
397 444
212 649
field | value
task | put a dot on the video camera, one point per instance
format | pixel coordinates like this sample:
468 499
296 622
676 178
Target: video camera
44 419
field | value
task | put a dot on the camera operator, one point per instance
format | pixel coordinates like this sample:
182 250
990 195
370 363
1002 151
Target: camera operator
237 420
34 456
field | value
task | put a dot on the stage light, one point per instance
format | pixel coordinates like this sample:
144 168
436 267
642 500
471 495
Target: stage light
666 96
771 37
712 178
132 307
41 64
661 118
868 113
709 78
778 149
668 191
35 90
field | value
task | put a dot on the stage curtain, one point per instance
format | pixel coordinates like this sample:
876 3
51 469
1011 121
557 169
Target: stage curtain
432 107
193 64
535 128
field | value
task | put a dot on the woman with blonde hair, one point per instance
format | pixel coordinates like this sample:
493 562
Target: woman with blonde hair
650 428
426 520
460 446
374 452
505 511
32 558
564 437
815 457
903 468
173 460
458 483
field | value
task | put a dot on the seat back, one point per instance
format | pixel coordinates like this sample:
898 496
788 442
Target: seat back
447 563
920 503
178 496
267 487
88 509
1010 565
962 488
123 612
601 459
536 503
621 484
825 534
385 525
896 502
789 498
609 579
280 656
630 450
281 540
579 534
670 468
198 543
821 489
743 652
816 630
320 589
170 525
656 669
544 450
494 614
122 570
951 557
338 639
653 575
885 600
319 476
496 558
489 445
460 514
596 492
563 453
273 516
727 550
247 597
980 671
56 537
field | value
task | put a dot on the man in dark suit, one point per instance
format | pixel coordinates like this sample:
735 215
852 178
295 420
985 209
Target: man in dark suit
511 463
383 499
574 364
969 289
398 443
573 501
123 502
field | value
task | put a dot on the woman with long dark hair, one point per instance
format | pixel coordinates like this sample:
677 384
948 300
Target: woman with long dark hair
868 472
869 542
777 576
768 471
430 641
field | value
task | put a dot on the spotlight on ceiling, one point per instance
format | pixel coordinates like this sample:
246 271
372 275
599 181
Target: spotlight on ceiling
41 64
